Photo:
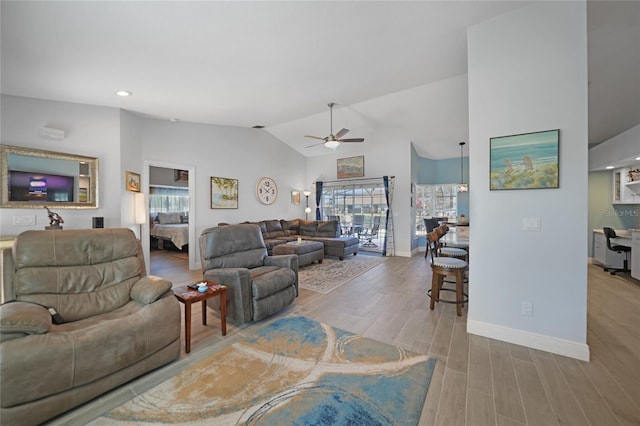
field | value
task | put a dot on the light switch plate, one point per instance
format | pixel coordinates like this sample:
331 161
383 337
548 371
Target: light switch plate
531 224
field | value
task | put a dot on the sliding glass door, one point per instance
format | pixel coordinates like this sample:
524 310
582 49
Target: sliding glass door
361 209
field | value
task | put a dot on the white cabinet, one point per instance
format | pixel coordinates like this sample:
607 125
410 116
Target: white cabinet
601 253
635 255
625 191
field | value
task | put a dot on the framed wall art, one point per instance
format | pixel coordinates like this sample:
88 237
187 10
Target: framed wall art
525 161
350 167
295 197
224 193
132 181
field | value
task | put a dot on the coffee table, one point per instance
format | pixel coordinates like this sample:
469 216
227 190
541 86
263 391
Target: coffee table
189 296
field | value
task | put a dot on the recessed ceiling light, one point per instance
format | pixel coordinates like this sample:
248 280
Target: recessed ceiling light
638 158
258 126
123 93
609 167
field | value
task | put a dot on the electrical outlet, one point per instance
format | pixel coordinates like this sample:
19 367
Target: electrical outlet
527 309
24 220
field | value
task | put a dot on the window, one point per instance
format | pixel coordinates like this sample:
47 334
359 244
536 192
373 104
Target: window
167 199
439 200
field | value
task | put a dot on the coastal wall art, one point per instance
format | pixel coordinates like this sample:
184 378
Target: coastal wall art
525 161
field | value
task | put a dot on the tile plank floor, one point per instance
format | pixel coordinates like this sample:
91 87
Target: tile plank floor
477 381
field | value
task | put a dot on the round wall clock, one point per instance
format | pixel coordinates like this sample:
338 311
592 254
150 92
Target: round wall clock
267 190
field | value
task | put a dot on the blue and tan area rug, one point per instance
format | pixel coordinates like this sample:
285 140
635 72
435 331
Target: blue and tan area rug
294 371
332 273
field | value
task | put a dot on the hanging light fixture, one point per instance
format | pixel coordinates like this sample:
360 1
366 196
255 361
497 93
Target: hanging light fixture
462 187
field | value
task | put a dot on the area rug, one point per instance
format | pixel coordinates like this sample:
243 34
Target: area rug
332 273
295 371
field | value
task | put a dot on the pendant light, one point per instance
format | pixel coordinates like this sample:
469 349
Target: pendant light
462 187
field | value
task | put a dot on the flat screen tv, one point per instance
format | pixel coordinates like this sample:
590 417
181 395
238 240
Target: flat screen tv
40 187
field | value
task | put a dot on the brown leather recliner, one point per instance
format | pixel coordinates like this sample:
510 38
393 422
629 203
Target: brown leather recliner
116 322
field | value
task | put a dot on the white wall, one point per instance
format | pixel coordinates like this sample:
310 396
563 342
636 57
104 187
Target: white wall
130 160
528 72
231 152
90 130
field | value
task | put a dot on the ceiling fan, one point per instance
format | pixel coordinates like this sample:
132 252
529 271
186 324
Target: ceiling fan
333 141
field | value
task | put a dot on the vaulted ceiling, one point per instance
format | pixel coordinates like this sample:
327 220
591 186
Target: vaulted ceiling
394 68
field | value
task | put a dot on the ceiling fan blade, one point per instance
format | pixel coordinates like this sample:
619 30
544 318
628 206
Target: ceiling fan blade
315 144
314 137
352 140
342 133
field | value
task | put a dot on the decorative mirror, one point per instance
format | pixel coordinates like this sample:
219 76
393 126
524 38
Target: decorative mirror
33 178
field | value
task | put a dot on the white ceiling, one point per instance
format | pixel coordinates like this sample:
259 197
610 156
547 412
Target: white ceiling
278 64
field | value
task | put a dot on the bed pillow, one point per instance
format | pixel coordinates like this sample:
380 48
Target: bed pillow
166 218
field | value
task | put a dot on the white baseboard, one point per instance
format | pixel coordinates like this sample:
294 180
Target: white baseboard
532 340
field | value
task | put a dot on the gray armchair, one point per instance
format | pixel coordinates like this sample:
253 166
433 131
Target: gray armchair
258 285
115 321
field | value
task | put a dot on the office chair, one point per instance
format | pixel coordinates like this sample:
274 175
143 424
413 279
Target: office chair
610 233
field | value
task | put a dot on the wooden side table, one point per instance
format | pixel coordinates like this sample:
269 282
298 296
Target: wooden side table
189 296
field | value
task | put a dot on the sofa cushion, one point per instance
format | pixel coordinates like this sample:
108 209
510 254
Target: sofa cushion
274 229
308 227
86 350
271 243
233 246
291 227
79 277
330 228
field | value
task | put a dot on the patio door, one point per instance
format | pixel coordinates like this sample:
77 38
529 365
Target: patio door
361 209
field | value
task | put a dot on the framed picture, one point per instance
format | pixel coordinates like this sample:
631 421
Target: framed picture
180 175
132 181
525 161
224 193
351 167
295 197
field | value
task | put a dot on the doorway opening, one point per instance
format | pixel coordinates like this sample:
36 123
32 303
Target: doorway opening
170 234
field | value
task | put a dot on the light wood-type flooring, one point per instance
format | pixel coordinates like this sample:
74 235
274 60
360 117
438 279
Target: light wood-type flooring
477 381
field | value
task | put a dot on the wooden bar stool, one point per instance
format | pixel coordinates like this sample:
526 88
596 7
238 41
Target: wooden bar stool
441 267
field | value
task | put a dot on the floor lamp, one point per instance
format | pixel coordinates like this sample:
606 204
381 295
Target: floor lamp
140 211
307 209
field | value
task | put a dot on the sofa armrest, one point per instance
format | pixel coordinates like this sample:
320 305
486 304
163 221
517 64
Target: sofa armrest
283 260
24 318
239 296
149 288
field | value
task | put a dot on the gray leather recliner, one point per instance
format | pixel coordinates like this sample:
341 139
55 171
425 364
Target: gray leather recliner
116 321
258 285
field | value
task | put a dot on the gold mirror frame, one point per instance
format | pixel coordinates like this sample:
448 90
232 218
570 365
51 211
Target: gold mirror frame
92 194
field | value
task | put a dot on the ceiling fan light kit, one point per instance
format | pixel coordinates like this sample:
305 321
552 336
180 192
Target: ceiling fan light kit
333 141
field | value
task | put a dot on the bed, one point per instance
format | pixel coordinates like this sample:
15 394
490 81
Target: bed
170 227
